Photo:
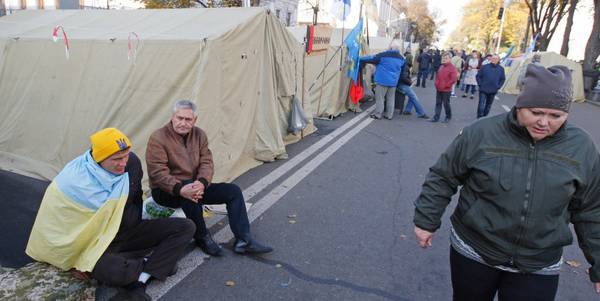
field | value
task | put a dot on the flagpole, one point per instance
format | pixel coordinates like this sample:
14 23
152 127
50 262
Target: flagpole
343 25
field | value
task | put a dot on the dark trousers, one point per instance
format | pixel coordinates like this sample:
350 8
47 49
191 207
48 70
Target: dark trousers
442 98
433 72
472 87
161 241
422 77
216 193
485 103
472 280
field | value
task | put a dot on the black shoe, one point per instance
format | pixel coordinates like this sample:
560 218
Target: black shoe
434 120
133 292
446 120
375 116
464 96
209 246
424 116
406 113
471 97
250 247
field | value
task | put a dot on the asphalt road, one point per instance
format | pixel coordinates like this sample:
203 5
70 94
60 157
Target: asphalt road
352 238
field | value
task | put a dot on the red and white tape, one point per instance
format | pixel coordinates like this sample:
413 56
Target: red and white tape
132 50
65 38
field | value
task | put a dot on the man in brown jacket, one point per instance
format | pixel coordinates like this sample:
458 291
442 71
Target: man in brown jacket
180 168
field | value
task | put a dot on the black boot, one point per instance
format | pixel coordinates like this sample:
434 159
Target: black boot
209 246
133 292
250 247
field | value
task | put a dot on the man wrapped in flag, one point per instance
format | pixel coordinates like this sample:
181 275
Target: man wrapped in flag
90 221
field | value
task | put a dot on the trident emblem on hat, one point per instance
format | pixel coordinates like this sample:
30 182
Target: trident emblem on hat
122 144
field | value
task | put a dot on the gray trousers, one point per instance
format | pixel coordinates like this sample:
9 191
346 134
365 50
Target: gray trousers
387 94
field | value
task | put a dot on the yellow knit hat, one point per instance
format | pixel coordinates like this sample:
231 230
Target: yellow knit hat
106 142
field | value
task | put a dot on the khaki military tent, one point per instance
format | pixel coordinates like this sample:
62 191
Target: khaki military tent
237 65
518 66
325 82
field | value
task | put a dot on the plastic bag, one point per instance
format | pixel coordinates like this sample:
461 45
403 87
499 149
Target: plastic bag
298 120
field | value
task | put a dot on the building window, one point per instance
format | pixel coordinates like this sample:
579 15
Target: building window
277 12
288 19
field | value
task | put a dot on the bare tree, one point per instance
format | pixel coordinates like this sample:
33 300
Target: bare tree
592 49
545 16
564 49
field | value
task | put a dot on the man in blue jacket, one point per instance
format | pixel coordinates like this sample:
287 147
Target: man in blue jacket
389 64
424 60
490 79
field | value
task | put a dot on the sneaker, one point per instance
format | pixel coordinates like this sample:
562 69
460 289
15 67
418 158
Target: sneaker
375 116
424 116
453 95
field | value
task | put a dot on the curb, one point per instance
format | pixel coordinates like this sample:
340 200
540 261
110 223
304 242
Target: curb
595 103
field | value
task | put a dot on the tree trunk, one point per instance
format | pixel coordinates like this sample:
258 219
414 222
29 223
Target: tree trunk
542 43
564 49
592 49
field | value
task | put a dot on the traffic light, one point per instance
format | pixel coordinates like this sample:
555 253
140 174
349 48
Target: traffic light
500 12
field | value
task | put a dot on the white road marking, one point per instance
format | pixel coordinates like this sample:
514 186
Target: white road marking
506 108
195 258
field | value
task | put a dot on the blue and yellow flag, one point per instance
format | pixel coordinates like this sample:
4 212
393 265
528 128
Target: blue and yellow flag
353 42
79 216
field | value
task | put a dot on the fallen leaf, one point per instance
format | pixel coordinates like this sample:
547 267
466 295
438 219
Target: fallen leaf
292 216
292 221
229 283
573 263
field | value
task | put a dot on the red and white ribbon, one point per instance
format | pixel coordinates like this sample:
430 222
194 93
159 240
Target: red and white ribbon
55 38
131 50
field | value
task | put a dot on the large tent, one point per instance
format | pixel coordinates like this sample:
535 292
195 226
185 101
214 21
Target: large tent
238 65
516 66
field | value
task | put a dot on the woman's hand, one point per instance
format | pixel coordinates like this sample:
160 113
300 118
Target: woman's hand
425 237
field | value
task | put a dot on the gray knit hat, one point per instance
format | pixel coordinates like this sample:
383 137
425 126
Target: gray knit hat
550 88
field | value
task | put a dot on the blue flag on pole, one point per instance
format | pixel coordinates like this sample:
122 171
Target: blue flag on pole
352 41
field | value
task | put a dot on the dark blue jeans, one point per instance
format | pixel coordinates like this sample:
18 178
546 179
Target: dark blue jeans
422 77
216 193
485 103
472 280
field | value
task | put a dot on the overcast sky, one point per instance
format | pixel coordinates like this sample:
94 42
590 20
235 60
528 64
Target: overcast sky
451 11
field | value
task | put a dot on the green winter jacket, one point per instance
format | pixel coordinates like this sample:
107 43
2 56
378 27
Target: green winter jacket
517 197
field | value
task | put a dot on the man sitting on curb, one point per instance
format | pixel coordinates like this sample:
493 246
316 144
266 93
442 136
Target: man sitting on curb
180 168
90 220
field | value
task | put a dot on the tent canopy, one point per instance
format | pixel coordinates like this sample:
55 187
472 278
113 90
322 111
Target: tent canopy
237 65
519 65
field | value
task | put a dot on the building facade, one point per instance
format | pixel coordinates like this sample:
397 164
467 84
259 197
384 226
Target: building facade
285 10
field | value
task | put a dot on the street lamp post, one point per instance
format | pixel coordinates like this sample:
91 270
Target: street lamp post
503 10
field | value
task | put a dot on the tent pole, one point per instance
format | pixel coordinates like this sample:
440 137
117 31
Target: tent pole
322 82
303 89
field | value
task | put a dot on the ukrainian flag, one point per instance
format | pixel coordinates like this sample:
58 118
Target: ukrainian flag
79 216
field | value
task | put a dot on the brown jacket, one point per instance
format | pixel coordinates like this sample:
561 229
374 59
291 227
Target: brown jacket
172 158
